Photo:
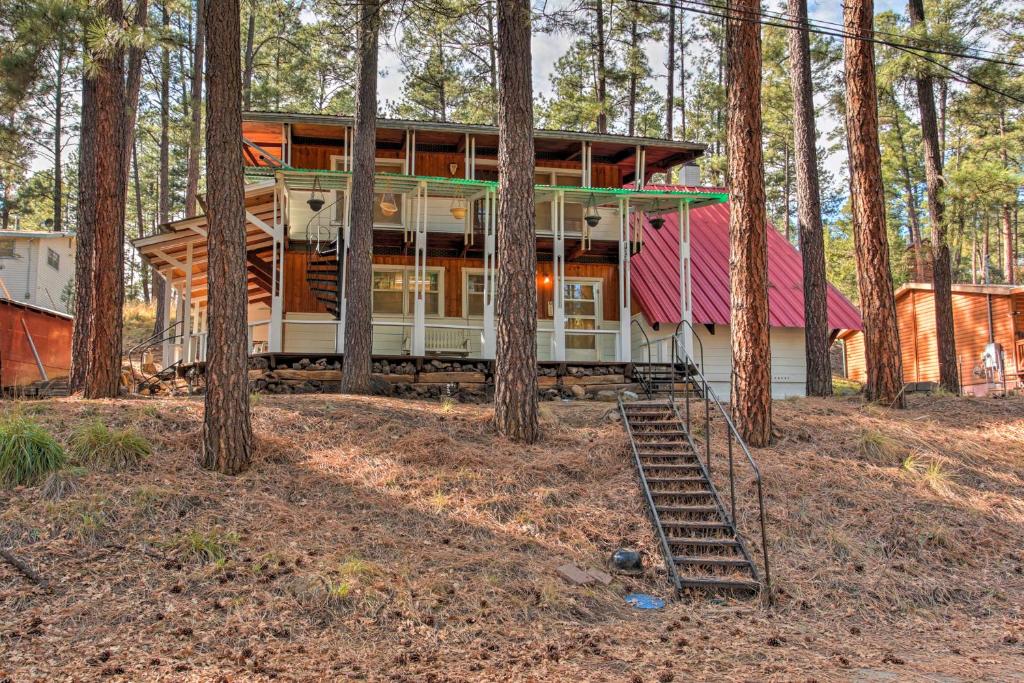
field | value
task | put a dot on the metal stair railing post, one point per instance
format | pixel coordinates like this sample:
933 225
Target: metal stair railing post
732 434
647 342
688 360
666 550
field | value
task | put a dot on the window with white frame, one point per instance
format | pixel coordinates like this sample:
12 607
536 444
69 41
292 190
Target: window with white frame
473 293
582 299
53 259
394 291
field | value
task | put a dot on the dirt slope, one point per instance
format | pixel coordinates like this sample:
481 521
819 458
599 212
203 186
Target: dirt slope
394 540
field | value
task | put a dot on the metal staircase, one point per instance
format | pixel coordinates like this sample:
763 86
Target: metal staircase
697 526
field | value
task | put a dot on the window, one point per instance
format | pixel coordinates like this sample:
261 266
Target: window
7 249
581 300
393 291
53 259
474 289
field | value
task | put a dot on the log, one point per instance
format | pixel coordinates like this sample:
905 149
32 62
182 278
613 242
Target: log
598 379
452 377
23 567
545 382
395 379
286 373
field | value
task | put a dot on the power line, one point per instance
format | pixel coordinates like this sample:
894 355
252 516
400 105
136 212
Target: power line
778 21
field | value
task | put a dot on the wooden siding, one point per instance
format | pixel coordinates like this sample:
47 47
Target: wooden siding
298 298
269 136
915 311
437 163
51 335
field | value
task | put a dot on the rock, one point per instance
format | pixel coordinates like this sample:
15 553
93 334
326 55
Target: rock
630 396
578 391
603 578
380 387
574 575
606 396
613 415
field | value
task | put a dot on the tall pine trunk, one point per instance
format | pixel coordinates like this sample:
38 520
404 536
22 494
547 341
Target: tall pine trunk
58 142
911 193
250 35
86 230
748 225
602 70
359 271
670 68
808 207
515 368
103 379
945 338
871 243
227 435
196 107
164 174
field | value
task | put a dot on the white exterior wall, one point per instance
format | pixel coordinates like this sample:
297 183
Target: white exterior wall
28 276
789 365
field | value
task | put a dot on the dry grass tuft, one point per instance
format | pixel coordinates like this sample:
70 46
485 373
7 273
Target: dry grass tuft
96 445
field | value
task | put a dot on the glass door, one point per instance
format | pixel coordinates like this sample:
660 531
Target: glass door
582 304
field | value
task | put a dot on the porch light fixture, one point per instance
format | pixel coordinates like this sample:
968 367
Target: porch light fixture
657 222
458 209
592 217
316 195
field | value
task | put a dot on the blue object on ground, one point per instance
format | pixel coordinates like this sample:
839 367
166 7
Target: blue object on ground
642 601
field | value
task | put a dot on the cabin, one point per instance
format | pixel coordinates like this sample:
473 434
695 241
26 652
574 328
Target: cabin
35 344
988 326
37 267
656 301
434 246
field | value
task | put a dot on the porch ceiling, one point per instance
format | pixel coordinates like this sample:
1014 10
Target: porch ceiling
652 201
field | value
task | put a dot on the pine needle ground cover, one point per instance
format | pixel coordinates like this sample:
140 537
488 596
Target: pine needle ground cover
379 539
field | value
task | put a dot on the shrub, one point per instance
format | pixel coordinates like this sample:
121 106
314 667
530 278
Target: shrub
27 452
95 444
206 547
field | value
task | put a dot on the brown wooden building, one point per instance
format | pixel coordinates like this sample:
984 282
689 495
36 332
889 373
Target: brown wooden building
982 315
31 336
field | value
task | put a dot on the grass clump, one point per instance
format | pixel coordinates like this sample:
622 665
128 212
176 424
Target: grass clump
62 483
207 547
880 449
95 444
28 453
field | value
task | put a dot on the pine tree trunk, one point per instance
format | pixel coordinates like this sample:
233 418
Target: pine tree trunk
359 272
908 189
196 109
874 277
670 85
602 71
633 48
139 226
227 435
164 181
682 80
515 368
103 379
945 337
58 142
748 226
250 35
808 207
85 233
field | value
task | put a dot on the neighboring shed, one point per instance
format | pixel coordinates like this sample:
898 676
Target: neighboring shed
656 299
50 333
981 314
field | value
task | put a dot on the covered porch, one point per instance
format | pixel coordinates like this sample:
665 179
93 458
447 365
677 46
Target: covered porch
435 267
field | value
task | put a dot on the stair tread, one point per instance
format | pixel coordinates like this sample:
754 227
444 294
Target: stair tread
710 560
692 540
702 582
687 508
693 494
675 480
694 524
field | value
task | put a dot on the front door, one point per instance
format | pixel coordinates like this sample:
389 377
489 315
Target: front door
582 313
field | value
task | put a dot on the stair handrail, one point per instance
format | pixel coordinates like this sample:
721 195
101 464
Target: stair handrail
732 434
167 333
666 549
319 227
647 343
707 413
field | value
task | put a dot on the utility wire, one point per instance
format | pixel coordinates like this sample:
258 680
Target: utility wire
756 16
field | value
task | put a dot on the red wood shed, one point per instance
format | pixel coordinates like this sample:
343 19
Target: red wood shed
23 326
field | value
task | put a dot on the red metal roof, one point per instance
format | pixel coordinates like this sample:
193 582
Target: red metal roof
655 274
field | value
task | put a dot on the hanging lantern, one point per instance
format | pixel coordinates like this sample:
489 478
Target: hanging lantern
657 222
458 207
592 217
316 195
388 206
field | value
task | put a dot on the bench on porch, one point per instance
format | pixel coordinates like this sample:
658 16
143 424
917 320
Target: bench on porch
439 342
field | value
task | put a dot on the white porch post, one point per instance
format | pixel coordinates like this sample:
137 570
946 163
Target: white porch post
685 295
343 252
419 334
275 335
490 341
558 272
186 307
166 303
625 343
